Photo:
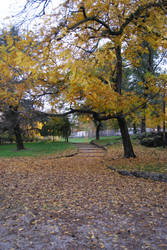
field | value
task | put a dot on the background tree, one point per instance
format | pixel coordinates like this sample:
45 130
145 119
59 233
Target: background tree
149 62
57 126
17 64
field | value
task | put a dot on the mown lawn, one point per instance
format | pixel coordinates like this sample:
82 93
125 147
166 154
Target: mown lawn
103 139
81 139
109 140
35 149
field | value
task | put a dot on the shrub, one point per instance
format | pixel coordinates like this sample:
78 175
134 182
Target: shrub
152 139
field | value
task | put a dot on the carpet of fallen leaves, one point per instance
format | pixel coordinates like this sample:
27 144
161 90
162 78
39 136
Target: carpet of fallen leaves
149 159
77 203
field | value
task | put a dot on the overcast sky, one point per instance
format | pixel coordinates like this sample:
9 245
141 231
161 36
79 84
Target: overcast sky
10 8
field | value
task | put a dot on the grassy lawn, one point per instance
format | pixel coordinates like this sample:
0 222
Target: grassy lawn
148 159
103 139
109 140
35 149
81 139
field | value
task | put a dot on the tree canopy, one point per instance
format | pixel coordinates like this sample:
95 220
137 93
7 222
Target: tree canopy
79 55
57 126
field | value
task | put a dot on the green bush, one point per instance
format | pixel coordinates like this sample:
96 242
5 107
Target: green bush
152 139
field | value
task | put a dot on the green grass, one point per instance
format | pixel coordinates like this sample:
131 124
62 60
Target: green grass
42 148
147 159
103 139
81 139
109 140
152 168
34 149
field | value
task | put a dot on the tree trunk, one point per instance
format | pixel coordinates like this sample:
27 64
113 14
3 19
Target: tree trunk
158 128
98 126
143 124
19 140
128 149
164 134
134 128
98 131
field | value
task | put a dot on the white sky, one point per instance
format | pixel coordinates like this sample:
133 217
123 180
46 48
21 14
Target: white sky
9 8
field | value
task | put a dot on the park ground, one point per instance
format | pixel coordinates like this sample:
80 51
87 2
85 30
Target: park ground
51 202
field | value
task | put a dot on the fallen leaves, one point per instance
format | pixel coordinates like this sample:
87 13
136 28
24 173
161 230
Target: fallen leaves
69 200
148 159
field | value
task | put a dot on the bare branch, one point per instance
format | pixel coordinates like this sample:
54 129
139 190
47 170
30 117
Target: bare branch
161 59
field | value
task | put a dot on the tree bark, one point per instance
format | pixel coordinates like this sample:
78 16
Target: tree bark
19 140
134 128
128 149
143 124
164 128
98 131
158 128
98 126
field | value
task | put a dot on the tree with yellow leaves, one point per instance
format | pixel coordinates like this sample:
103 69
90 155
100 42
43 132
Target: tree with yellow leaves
98 36
91 39
17 65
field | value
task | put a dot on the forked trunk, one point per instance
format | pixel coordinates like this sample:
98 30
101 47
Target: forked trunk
128 148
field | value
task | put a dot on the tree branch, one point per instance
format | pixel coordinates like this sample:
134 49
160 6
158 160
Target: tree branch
83 10
132 16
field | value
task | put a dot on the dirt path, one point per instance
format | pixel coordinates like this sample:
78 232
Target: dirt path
77 204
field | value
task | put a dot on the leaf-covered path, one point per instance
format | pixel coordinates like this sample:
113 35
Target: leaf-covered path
77 203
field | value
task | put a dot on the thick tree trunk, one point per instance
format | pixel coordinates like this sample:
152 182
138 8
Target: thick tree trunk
128 149
19 140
